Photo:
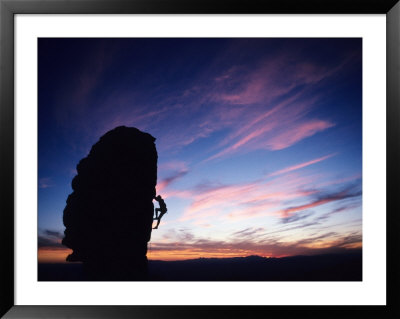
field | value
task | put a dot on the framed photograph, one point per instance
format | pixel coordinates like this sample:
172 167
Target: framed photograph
165 159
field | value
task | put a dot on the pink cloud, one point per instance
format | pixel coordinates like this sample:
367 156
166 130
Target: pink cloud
278 127
170 179
195 247
266 205
266 209
271 79
347 193
257 85
253 135
297 133
247 200
286 212
259 118
282 125
176 193
342 180
301 165
45 182
262 136
204 202
174 165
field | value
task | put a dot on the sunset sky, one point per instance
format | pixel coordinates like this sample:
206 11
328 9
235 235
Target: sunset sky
258 140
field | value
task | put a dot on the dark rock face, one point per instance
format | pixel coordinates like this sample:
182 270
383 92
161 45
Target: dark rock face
109 215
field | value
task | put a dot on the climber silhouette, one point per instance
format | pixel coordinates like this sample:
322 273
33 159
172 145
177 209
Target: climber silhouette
162 210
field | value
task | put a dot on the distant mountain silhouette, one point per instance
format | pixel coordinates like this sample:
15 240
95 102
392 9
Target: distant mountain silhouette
109 215
330 267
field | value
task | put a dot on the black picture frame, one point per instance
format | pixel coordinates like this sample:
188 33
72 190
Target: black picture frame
8 10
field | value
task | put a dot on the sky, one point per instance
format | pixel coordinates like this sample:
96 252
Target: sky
259 140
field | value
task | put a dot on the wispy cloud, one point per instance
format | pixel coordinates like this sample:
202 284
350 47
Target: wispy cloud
169 180
173 166
277 128
343 208
296 217
277 99
329 242
50 239
237 201
321 200
291 223
46 182
49 243
263 198
297 133
54 234
248 232
46 242
301 165
270 79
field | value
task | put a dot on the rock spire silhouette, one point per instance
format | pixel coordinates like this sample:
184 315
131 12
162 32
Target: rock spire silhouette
109 214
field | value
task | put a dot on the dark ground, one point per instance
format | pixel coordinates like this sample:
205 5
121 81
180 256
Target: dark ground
332 267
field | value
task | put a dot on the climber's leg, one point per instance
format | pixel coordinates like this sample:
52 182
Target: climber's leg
158 223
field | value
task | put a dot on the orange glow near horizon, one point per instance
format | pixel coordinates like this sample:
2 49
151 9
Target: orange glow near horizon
60 255
171 255
46 255
53 255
